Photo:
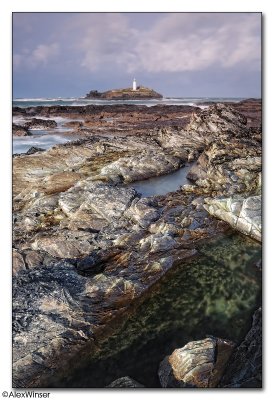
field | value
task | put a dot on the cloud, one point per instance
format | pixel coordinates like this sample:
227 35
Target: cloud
175 43
171 43
41 55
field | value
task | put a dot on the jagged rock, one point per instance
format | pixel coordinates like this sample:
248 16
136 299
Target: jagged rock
71 204
157 242
38 123
198 364
126 382
218 118
142 212
33 259
140 167
242 214
244 369
33 150
18 263
18 130
62 246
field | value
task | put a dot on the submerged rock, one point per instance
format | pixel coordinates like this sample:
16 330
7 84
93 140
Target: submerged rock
198 364
125 382
92 247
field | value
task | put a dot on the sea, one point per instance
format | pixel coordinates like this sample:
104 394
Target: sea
46 139
81 101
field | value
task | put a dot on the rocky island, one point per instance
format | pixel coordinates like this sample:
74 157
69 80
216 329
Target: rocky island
112 288
140 93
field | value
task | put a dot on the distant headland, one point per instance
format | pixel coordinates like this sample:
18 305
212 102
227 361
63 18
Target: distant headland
134 93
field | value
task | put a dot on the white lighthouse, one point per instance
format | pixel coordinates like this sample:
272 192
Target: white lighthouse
134 84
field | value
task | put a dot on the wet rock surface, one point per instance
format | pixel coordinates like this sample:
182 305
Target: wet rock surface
87 247
20 130
37 123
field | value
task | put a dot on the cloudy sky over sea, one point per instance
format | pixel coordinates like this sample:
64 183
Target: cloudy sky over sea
177 54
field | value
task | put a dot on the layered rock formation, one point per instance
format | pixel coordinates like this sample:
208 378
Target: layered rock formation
87 246
242 214
214 362
198 364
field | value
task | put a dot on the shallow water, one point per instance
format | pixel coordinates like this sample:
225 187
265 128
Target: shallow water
163 184
214 294
43 138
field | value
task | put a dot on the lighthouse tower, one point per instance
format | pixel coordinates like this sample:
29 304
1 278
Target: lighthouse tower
134 84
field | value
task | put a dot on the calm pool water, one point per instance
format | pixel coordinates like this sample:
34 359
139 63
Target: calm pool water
163 184
215 293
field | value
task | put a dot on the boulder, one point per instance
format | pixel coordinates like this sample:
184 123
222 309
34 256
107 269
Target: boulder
199 364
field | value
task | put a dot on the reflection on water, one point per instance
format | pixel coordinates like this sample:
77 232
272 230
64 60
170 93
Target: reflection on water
163 184
214 294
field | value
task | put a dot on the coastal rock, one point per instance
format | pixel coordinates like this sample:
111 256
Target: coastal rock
33 259
142 212
19 130
244 369
140 167
218 118
79 228
18 263
125 94
33 150
231 162
38 123
125 382
62 246
198 364
242 214
157 242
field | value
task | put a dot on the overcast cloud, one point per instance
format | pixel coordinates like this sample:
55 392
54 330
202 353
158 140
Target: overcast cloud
178 54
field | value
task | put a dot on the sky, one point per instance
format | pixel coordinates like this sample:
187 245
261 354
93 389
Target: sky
176 54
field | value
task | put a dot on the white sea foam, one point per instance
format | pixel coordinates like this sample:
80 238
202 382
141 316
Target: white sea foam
23 144
81 101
